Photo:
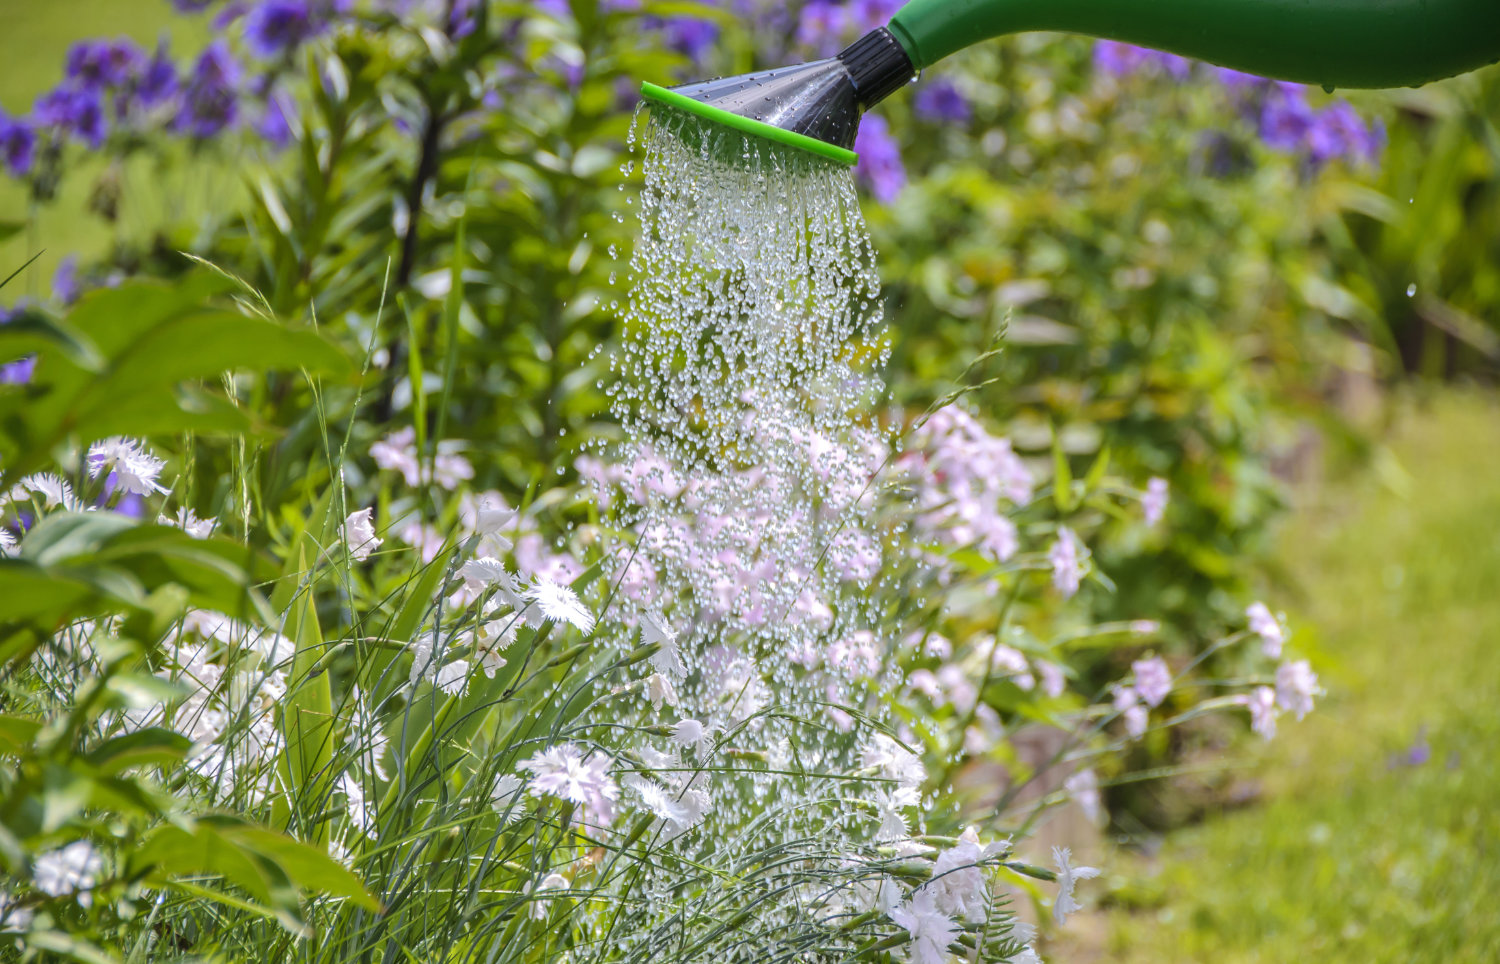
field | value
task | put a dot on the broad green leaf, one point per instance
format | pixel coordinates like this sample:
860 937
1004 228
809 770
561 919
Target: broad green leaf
69 947
153 746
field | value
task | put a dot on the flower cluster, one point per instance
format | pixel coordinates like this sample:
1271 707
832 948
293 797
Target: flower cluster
1283 118
116 86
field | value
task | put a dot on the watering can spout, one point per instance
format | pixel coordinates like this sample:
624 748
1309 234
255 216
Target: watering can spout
1332 43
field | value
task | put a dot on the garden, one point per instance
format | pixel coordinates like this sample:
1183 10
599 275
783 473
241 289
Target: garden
457 507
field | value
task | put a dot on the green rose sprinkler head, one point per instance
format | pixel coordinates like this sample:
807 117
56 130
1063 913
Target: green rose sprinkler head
814 106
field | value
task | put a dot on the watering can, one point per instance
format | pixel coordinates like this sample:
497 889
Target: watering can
1332 43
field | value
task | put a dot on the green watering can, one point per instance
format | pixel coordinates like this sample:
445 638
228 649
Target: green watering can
1333 43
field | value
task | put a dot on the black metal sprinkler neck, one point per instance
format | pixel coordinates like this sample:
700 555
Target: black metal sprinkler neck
878 65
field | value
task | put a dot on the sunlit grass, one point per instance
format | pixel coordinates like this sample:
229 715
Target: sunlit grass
1364 851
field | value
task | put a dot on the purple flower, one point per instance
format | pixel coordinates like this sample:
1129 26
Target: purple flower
109 64
879 166
941 101
1339 131
19 371
1285 119
822 26
192 6
72 111
1119 59
463 18
210 101
159 80
276 28
691 35
1237 79
275 124
868 14
17 145
65 288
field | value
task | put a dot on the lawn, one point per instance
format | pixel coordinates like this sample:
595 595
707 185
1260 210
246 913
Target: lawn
1378 836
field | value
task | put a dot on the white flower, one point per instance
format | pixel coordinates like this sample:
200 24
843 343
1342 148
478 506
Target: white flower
692 733
7 542
503 794
930 930
894 761
490 639
562 771
1067 876
1263 624
551 882
485 571
359 534
452 678
135 469
490 517
659 690
426 664
888 806
72 869
1027 955
679 810
191 524
957 880
55 491
1296 685
558 603
667 660
486 516
360 813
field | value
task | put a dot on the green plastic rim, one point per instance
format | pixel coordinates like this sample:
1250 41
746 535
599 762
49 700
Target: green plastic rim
749 125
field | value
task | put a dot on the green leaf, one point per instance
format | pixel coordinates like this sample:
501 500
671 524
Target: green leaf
126 360
153 746
17 734
69 946
1062 476
309 720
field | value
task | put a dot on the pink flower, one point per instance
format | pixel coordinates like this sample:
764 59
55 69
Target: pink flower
1262 704
1130 708
1267 627
1296 685
1154 502
1068 557
1153 681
